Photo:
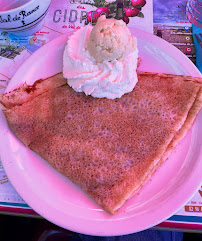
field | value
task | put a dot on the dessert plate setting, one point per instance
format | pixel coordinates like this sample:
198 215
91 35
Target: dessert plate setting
58 200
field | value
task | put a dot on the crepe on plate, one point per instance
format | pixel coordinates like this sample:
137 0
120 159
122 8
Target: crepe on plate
110 148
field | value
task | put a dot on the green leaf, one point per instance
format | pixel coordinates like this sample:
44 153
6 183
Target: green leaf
99 3
141 15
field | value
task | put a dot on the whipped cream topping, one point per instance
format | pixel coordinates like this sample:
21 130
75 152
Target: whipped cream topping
110 79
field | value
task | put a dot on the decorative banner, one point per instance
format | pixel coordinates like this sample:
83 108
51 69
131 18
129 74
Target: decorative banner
65 15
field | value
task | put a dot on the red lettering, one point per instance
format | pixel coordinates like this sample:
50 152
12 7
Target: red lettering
197 209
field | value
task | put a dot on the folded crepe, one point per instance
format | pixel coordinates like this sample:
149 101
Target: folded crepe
110 148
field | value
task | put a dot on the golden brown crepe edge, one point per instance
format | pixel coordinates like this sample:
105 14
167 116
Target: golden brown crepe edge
193 111
197 80
27 92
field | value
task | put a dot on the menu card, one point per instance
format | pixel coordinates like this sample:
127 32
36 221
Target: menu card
171 23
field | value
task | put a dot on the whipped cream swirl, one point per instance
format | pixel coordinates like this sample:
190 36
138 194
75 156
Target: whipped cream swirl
110 79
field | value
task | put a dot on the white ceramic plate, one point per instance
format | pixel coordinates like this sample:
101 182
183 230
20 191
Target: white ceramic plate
55 198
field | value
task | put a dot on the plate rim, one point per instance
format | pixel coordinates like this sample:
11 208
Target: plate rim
61 224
